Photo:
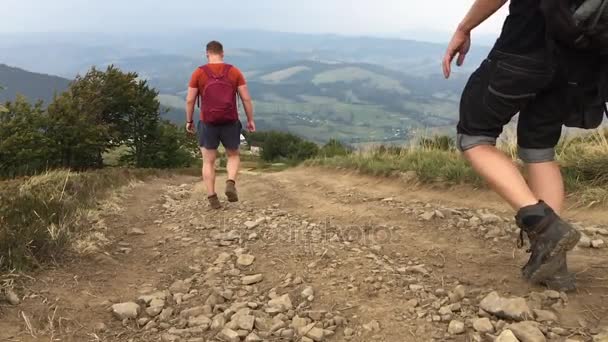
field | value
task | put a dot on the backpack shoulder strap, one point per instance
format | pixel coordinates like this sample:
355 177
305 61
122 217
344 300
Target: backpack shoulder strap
209 72
226 70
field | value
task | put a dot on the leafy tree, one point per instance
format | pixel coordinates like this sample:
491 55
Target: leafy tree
107 97
24 146
167 146
2 107
74 136
286 146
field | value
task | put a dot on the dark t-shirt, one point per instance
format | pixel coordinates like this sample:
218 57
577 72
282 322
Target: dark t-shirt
524 28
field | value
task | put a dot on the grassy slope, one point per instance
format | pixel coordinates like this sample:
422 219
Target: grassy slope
584 163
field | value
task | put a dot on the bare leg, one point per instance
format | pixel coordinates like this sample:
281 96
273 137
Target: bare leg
209 157
546 182
502 175
233 164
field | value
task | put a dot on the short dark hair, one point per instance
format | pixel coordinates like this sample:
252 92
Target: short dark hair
215 47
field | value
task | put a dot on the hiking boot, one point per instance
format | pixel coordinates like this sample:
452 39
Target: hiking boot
214 202
550 239
231 191
562 281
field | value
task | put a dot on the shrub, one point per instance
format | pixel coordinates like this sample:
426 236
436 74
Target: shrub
40 215
334 148
278 146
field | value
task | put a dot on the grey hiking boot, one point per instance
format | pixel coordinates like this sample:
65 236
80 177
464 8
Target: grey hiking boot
214 202
563 280
231 191
550 239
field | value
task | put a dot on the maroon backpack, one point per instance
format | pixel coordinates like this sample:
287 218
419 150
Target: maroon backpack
219 98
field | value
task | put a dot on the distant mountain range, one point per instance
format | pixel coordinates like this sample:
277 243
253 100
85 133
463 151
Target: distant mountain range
353 102
34 86
357 89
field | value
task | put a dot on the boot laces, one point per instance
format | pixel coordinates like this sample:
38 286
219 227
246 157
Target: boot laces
520 242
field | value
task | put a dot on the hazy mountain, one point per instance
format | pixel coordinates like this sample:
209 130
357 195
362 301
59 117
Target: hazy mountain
68 54
32 85
318 86
354 102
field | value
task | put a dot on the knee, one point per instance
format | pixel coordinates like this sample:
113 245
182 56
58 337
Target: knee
232 153
536 155
466 143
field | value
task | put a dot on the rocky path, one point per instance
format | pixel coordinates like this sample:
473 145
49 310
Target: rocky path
308 255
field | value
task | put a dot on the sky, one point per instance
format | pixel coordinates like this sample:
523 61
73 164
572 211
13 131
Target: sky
350 17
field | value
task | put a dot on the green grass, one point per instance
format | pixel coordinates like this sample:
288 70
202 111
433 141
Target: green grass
41 215
584 161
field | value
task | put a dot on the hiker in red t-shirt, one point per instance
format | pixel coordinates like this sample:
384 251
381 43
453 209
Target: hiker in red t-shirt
216 85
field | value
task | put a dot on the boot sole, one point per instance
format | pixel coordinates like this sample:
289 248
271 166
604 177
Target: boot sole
548 269
562 284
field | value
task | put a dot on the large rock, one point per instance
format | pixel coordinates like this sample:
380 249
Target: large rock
456 327
12 297
507 336
245 322
200 321
193 312
252 279
229 335
180 286
516 309
483 325
253 338
527 332
245 260
545 316
282 303
128 310
316 334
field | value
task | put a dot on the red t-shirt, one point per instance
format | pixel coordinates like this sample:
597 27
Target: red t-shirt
199 77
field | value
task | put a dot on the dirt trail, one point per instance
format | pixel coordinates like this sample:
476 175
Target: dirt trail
359 258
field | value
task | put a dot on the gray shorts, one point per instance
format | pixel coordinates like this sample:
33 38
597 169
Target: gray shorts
210 136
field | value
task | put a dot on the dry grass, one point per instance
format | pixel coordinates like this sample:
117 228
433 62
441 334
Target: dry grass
41 216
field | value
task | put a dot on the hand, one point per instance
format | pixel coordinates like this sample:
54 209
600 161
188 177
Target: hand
460 44
251 126
190 127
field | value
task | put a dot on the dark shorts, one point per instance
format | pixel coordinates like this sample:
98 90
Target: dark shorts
508 84
547 95
210 136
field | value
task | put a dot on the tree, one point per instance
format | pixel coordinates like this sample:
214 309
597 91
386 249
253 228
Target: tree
2 107
107 98
76 138
24 146
166 147
286 146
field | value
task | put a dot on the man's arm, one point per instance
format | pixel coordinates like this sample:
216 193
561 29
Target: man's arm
190 103
461 42
480 12
248 105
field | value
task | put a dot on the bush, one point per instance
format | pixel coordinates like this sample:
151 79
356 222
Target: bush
278 146
40 215
334 148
